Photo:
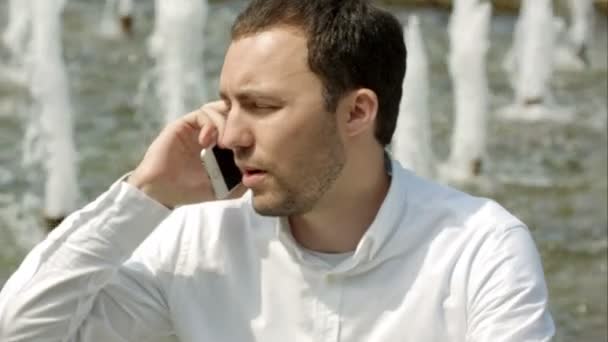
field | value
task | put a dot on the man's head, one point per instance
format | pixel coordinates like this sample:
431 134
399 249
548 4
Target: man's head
307 83
351 45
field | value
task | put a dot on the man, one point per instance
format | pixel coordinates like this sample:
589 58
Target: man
332 241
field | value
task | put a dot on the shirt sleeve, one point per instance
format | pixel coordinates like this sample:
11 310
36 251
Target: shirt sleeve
77 284
508 297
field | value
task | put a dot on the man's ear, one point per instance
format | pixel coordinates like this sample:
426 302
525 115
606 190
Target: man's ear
363 108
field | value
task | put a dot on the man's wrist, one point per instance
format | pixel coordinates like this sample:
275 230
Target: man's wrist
145 188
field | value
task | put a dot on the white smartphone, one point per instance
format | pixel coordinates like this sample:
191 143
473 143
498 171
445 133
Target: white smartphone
222 170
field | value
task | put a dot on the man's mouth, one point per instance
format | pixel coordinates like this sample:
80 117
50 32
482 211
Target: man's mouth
252 176
250 171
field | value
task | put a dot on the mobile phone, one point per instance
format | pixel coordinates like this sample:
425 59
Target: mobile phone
222 170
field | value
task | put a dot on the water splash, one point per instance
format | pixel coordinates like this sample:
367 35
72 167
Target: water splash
572 52
411 144
177 45
534 49
15 37
50 91
531 63
117 19
469 42
109 24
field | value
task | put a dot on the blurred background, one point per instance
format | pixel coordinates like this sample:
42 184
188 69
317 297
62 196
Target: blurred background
503 99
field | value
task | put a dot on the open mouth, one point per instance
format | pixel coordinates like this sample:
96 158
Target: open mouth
251 172
252 177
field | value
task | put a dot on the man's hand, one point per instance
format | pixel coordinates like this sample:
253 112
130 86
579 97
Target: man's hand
171 171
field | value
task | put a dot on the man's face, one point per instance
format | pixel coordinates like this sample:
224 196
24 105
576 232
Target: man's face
284 140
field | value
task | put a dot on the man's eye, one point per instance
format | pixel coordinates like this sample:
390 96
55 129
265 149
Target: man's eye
262 106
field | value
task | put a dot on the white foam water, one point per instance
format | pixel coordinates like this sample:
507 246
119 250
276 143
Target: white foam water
469 42
116 14
109 27
15 35
177 45
531 65
53 109
15 38
573 51
125 8
411 144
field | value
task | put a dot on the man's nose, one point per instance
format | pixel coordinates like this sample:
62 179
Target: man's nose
237 131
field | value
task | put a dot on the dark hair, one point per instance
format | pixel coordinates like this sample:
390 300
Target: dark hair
351 45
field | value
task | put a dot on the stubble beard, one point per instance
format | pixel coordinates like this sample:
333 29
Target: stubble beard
314 176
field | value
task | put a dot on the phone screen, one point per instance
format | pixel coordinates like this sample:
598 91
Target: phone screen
230 172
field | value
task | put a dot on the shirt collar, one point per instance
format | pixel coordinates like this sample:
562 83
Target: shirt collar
387 220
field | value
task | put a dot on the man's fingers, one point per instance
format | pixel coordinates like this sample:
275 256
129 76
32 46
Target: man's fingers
208 136
216 113
210 120
218 106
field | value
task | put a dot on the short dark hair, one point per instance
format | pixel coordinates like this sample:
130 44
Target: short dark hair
351 45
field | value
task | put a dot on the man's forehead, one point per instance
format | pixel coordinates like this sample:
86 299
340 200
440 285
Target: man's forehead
277 34
272 44
278 53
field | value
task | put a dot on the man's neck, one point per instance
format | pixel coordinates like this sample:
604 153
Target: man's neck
343 215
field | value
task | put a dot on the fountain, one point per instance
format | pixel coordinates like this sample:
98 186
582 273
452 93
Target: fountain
15 38
117 19
469 42
411 144
16 32
109 23
531 65
52 108
177 45
572 53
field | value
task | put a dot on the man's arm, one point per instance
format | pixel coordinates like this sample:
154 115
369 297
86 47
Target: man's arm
76 285
507 292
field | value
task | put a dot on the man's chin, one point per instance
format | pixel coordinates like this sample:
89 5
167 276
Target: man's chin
266 205
265 209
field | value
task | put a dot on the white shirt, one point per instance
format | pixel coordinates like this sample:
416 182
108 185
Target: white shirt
435 265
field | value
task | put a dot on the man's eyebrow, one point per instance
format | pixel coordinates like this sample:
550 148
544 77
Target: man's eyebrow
246 95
